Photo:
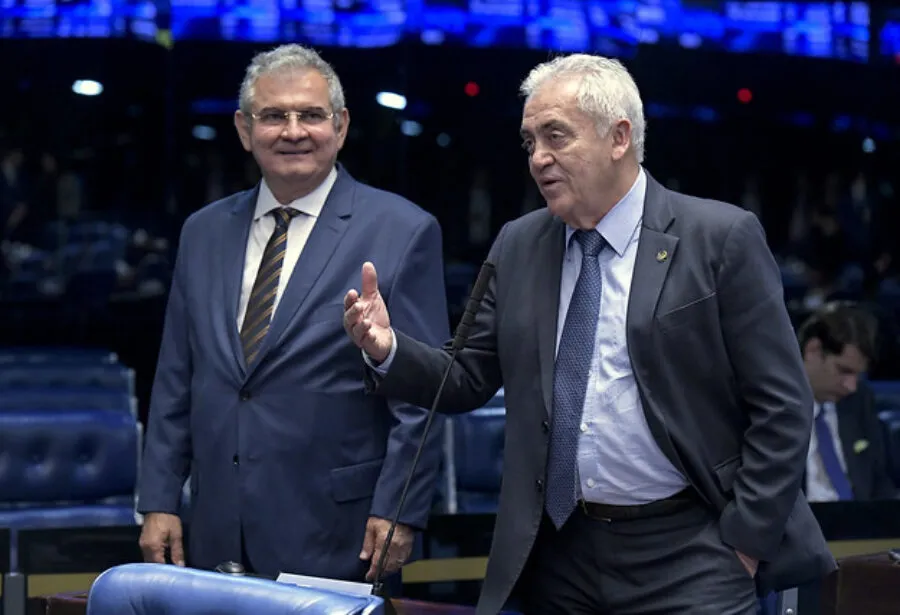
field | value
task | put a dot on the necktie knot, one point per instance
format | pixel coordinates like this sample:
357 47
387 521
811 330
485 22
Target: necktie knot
284 215
591 242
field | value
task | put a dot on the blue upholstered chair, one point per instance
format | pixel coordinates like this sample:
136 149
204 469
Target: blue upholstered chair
157 589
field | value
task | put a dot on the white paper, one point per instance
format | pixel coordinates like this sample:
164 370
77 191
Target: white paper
344 587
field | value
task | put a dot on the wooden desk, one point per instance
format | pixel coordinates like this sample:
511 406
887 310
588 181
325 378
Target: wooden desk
76 604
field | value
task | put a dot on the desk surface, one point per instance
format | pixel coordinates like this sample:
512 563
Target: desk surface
76 604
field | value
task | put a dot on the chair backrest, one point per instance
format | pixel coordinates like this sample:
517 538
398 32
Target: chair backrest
887 393
157 589
62 398
67 455
474 457
89 377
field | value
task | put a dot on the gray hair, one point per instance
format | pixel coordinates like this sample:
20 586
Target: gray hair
286 58
606 91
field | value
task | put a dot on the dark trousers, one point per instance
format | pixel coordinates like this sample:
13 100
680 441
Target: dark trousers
674 563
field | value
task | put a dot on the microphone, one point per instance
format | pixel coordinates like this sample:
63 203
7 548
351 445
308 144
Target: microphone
459 342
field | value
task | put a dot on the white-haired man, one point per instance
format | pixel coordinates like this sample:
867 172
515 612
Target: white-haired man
257 394
658 416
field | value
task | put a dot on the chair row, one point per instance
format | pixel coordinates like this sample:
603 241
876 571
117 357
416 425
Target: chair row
70 440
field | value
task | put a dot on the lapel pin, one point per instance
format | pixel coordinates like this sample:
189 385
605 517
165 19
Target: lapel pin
661 256
860 445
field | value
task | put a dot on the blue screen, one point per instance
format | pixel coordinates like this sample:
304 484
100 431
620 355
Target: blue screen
831 29
78 18
889 36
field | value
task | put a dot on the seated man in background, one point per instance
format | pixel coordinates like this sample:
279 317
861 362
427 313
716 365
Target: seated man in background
846 459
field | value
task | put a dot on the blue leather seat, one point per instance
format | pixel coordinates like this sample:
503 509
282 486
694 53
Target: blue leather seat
67 468
69 356
477 457
156 589
887 393
87 377
57 398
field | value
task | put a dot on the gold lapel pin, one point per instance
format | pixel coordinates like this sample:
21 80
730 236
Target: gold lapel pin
662 255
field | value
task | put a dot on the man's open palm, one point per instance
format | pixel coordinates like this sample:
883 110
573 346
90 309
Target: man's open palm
366 318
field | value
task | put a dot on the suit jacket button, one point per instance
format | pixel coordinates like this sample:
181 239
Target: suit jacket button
545 426
245 395
539 485
236 460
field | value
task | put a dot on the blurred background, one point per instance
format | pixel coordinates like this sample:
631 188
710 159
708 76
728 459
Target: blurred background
116 124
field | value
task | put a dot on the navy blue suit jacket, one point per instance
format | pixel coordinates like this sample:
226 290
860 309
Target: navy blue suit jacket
293 452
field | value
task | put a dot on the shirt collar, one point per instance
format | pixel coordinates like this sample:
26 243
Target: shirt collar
311 204
828 406
618 226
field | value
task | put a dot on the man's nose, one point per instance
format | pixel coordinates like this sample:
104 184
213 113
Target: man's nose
541 158
294 129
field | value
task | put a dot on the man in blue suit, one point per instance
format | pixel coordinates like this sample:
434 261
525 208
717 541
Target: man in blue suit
258 395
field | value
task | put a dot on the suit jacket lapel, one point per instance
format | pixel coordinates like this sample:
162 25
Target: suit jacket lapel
656 250
321 244
550 248
235 237
849 433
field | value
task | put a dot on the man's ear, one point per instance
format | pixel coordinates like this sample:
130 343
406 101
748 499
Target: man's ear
242 125
813 347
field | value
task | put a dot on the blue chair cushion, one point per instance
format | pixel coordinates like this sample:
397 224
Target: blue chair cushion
478 439
887 393
157 589
103 377
66 399
66 456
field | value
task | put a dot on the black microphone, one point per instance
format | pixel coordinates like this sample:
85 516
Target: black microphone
459 342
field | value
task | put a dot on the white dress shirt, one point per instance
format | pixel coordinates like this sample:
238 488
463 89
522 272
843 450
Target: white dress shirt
262 228
818 484
619 462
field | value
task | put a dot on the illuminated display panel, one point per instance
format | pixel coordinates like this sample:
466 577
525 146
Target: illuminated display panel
833 29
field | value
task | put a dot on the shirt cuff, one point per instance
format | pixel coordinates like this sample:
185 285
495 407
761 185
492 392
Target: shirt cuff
382 368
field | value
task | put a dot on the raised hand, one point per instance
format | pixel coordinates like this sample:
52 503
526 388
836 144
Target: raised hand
366 318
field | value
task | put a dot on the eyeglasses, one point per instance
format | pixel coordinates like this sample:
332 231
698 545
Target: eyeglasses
277 118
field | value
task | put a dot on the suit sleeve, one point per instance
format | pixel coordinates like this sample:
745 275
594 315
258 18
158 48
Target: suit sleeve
167 451
774 391
417 304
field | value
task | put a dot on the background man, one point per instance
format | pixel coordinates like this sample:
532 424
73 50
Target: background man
846 459
258 393
658 416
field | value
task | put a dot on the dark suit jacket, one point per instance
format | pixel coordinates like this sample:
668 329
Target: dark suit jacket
715 358
292 452
866 469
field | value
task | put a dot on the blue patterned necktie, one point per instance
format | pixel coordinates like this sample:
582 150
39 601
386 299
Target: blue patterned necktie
265 288
829 457
570 379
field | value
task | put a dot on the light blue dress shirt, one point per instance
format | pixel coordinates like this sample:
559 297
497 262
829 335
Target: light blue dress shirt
619 462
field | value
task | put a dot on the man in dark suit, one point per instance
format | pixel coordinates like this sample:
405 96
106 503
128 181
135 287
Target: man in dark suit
846 459
658 416
258 395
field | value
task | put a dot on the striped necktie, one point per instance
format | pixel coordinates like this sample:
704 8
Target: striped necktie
265 288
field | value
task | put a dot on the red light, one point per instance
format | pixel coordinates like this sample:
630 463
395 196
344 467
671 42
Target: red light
472 89
745 95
